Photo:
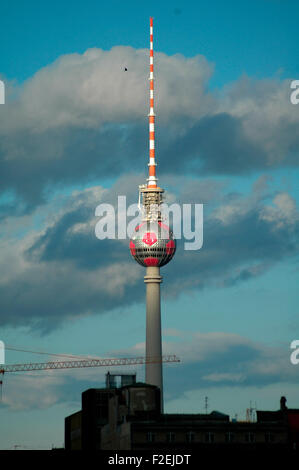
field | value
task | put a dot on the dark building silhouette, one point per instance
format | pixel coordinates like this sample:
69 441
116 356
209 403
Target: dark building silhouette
129 418
83 428
285 416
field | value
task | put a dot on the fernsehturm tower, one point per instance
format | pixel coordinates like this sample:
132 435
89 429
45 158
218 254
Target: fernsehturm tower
153 246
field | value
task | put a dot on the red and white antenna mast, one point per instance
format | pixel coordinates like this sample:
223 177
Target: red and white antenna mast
152 180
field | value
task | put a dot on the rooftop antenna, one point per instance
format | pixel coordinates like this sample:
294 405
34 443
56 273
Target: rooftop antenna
206 405
152 180
150 193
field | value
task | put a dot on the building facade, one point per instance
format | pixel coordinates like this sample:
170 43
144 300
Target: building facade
129 418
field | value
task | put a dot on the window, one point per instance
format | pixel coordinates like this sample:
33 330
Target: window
151 437
229 437
170 437
249 437
190 436
269 437
209 437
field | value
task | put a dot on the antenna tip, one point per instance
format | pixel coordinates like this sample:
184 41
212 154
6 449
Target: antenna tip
151 21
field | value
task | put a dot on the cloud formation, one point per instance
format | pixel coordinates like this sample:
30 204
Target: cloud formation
210 359
221 359
63 271
82 118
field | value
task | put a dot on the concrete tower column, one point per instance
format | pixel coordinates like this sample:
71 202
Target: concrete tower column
153 372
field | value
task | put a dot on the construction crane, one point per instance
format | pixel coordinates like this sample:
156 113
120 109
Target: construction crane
125 361
79 363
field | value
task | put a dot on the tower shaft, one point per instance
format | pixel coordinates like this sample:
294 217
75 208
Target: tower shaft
153 372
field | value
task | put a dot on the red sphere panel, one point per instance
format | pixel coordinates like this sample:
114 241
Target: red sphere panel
152 244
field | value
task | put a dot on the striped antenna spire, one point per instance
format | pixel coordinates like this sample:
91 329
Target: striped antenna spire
152 180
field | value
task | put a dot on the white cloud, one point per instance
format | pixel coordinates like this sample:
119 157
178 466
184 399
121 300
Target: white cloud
224 377
37 390
283 211
84 116
87 90
220 357
269 118
62 271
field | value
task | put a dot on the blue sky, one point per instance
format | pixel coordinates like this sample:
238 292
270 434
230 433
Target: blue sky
74 126
254 37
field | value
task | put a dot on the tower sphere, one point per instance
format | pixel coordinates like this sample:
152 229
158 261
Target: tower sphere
152 244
